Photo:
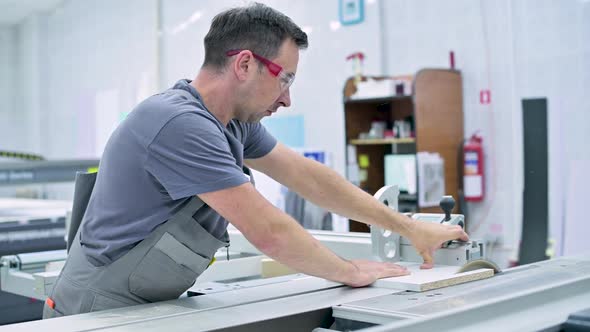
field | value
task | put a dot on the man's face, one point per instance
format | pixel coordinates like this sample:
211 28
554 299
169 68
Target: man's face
270 92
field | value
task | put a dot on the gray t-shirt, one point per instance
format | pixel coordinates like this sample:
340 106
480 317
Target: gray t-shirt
167 150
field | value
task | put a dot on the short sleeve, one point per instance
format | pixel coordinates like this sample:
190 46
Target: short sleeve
190 155
257 141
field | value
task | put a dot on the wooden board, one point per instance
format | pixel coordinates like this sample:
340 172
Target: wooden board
373 141
438 277
271 268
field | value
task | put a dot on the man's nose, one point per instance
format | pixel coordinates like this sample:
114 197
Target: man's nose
285 98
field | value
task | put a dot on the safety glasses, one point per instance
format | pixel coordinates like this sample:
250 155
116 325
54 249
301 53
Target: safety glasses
285 79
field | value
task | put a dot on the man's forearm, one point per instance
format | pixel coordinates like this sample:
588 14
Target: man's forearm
287 242
278 235
324 187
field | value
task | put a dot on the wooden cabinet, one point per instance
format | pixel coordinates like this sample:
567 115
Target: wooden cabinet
435 112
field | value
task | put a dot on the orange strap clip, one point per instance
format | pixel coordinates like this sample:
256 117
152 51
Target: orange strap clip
50 303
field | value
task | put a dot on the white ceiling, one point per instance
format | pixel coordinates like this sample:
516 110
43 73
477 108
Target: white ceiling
13 11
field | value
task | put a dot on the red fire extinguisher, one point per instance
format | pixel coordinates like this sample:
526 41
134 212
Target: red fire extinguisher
473 170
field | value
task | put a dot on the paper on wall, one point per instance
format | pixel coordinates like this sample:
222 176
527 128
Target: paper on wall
431 178
400 170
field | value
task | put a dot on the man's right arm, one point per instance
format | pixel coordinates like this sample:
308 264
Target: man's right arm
280 237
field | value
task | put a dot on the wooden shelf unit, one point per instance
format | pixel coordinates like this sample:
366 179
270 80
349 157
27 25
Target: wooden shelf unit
374 141
435 110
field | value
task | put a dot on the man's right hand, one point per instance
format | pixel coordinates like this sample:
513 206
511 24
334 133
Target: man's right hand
427 237
367 272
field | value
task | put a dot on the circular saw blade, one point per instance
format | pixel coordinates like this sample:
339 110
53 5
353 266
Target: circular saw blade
480 264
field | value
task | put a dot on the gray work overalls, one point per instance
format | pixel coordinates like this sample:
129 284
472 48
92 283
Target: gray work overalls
161 267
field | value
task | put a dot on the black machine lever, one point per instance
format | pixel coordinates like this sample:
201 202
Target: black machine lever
447 203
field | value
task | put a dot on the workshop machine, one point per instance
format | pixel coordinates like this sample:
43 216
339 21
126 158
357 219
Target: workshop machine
237 295
33 225
28 226
392 247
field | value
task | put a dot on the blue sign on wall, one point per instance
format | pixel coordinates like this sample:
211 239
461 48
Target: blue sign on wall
288 129
351 11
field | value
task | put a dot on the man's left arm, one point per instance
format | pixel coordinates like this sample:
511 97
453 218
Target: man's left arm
325 187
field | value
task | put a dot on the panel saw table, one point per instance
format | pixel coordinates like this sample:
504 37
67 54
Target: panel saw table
234 295
527 298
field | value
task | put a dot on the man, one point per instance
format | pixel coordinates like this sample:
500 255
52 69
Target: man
171 178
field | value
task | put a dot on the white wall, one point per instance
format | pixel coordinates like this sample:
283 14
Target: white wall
13 119
552 42
9 117
81 67
101 61
28 82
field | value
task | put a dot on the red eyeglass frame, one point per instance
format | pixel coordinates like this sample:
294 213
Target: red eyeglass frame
272 67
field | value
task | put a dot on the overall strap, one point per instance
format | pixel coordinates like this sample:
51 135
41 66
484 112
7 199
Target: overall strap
193 205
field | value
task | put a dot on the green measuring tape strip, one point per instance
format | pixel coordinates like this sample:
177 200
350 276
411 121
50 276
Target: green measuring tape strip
20 155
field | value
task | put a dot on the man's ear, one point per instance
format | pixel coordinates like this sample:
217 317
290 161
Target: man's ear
243 65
